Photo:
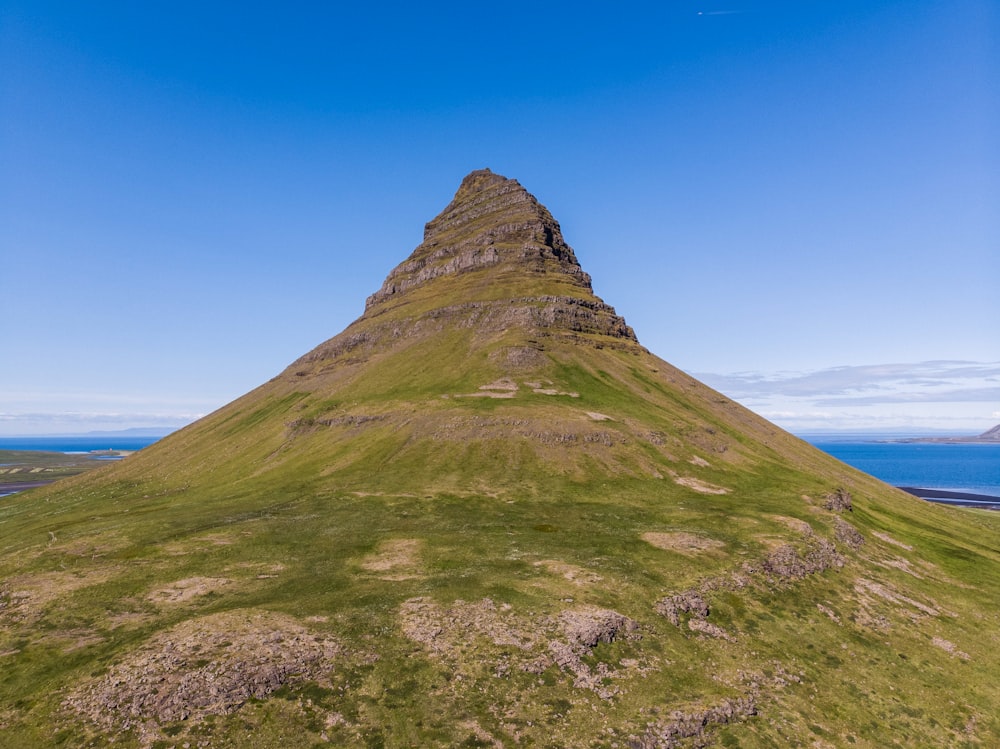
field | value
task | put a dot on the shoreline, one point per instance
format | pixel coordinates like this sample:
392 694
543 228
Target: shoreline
963 499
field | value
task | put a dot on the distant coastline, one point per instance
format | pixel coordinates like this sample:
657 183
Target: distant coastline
963 499
962 473
989 437
101 442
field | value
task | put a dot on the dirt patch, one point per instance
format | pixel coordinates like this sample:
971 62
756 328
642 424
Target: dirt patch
129 619
699 461
699 486
531 643
262 570
890 540
483 737
184 590
705 627
94 548
202 544
576 575
681 541
24 597
501 384
829 612
397 559
71 639
799 526
440 629
206 666
949 647
546 388
901 564
867 588
595 416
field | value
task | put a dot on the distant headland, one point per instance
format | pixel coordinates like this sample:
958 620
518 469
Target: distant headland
990 436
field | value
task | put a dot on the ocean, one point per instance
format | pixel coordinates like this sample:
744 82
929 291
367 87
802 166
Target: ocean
81 444
957 467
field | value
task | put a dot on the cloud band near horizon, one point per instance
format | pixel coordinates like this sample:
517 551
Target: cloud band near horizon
931 395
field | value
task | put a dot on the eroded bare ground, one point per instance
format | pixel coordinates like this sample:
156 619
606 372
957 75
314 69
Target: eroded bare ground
528 642
682 541
573 573
184 590
396 559
206 666
702 487
214 664
23 598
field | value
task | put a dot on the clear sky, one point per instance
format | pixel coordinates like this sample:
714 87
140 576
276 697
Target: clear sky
798 202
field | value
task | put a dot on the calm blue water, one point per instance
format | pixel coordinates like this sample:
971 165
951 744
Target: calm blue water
75 444
956 467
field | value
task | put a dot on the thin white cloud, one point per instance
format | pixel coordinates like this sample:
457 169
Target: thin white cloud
952 378
922 395
71 416
987 395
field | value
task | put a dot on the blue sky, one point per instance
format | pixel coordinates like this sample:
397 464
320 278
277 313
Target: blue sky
795 201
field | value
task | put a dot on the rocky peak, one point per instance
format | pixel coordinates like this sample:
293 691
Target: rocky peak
494 260
492 221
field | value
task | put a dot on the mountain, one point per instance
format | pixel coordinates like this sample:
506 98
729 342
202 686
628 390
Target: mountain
989 436
485 515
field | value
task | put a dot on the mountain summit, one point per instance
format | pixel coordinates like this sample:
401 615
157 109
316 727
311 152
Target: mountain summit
485 515
492 223
494 259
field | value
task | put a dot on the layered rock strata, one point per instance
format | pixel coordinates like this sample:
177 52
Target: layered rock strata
496 228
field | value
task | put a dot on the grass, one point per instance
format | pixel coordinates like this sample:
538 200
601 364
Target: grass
477 546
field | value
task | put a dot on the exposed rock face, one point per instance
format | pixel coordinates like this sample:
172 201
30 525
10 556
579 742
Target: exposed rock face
201 667
787 562
563 641
695 724
491 221
847 534
689 602
495 233
839 500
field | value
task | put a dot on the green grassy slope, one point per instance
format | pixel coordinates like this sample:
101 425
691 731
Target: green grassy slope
491 535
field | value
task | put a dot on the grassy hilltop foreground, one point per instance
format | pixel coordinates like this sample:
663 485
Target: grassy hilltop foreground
484 515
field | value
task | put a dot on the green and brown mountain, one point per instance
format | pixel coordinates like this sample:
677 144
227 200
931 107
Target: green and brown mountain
485 515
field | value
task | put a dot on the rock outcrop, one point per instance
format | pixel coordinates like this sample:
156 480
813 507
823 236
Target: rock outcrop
492 221
494 235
